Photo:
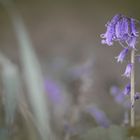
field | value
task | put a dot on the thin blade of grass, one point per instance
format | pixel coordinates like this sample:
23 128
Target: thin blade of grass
11 82
32 72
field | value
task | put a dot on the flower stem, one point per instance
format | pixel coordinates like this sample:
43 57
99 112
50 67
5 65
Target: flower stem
132 119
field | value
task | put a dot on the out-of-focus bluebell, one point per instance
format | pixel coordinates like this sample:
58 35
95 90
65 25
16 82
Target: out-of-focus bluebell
99 116
53 90
58 96
60 102
119 96
137 96
114 91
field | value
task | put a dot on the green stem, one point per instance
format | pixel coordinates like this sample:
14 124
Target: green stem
132 120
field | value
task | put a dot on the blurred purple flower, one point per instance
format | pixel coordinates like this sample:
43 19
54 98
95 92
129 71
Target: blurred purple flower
53 90
128 70
114 90
120 98
137 96
117 94
127 89
99 116
120 28
122 55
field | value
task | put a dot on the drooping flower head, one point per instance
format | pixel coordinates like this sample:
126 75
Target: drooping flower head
121 28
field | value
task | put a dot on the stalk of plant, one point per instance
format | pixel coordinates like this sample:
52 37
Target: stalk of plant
132 115
123 30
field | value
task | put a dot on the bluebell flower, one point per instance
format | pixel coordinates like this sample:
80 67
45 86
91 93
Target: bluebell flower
121 28
128 70
122 55
127 89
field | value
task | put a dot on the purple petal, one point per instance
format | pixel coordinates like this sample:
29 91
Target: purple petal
53 90
122 55
138 59
128 70
118 30
109 36
115 19
127 89
132 42
122 29
133 27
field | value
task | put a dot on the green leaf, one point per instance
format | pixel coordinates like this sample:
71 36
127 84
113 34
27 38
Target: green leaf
10 79
9 94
